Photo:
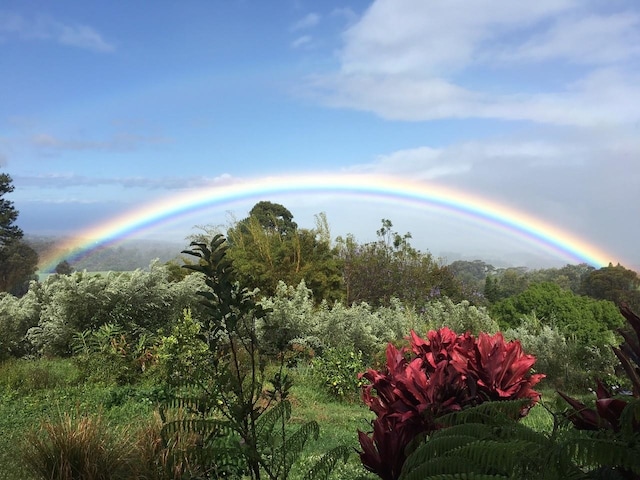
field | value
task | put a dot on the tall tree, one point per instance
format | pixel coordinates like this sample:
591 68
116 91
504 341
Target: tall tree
273 217
390 267
18 261
268 247
8 214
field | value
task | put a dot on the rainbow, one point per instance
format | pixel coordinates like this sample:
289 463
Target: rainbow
387 188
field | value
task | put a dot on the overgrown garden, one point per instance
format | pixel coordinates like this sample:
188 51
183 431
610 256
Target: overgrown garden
275 352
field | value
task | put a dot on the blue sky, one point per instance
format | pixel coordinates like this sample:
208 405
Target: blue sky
534 105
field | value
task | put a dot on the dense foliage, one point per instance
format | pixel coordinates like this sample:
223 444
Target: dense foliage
268 247
18 261
391 268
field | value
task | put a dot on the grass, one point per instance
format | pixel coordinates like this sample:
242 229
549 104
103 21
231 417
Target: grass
37 391
49 391
45 396
84 446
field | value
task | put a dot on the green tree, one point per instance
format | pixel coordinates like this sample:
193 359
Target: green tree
64 268
506 282
230 394
569 277
390 267
267 247
588 320
273 217
18 261
618 284
472 276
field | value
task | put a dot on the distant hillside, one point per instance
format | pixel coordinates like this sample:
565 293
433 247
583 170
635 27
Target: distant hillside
126 256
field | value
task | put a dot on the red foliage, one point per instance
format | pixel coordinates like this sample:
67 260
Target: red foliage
444 373
606 415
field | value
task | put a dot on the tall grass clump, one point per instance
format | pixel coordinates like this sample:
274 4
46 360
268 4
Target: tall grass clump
82 447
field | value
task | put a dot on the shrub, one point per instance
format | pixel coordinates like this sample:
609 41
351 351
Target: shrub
78 448
566 363
182 354
442 374
337 372
17 316
290 316
460 317
139 302
107 355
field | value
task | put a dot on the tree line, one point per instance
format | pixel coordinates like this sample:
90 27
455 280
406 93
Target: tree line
268 247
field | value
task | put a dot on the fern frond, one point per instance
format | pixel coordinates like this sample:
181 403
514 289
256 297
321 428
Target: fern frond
600 448
268 420
487 412
204 428
322 469
486 441
630 418
444 465
497 456
437 445
295 443
456 476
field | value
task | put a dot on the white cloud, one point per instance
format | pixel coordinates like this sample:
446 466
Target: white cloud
571 177
423 163
308 21
46 28
423 60
592 39
119 142
304 40
71 180
431 37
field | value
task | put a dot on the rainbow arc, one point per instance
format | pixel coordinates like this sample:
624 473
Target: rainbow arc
382 188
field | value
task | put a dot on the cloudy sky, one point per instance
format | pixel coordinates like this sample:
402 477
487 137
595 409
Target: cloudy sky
531 105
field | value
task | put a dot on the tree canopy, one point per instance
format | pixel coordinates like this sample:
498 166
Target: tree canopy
18 261
268 247
618 284
9 232
390 267
589 320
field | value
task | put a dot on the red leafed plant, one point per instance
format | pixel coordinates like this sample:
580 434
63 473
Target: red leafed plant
444 373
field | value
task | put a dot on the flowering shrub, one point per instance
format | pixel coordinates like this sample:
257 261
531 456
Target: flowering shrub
444 373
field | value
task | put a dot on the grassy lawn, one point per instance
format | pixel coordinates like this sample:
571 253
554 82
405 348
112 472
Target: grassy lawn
36 391
44 390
